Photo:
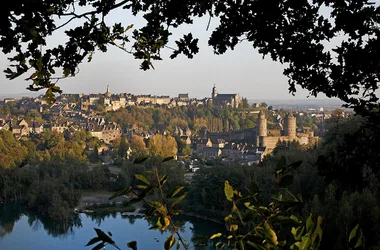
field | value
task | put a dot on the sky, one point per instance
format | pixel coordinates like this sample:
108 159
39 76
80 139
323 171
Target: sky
241 71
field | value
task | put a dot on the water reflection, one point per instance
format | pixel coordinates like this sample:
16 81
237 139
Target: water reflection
11 213
32 226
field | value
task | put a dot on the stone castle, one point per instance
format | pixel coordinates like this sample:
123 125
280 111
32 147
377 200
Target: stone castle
269 139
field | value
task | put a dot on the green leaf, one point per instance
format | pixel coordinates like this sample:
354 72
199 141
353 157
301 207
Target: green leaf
310 223
179 199
132 245
228 190
93 241
168 159
295 218
286 181
271 233
141 159
255 245
164 179
219 245
121 192
241 245
353 232
128 27
215 236
172 192
142 178
169 242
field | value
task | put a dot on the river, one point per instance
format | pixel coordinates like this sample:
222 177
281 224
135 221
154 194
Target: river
21 229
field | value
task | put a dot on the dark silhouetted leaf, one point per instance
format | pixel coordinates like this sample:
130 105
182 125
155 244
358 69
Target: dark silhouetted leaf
179 199
295 164
168 158
172 192
142 178
286 181
141 159
93 241
132 245
121 192
99 246
281 163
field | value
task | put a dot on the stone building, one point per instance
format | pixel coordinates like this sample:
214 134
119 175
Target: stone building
288 134
232 100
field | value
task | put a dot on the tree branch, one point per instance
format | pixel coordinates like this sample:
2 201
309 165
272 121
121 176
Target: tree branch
76 16
120 47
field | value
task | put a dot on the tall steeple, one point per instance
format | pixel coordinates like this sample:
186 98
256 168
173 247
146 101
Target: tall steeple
108 93
214 92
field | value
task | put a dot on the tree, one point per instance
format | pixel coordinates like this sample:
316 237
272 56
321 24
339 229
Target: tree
291 32
244 103
138 145
187 150
162 146
12 153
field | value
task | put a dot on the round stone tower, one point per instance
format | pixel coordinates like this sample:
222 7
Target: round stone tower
261 126
290 126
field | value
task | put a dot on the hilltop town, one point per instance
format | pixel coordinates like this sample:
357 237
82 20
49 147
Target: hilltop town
246 134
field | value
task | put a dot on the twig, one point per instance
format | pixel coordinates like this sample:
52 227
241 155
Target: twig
164 203
120 47
209 21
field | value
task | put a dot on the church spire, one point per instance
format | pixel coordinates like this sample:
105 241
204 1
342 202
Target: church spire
108 93
214 92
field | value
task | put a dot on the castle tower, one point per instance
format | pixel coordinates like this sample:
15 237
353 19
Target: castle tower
214 92
290 126
261 126
108 93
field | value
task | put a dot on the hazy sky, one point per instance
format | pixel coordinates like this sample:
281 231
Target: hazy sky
241 71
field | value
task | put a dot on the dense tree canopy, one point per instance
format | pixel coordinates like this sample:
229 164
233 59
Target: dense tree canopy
292 32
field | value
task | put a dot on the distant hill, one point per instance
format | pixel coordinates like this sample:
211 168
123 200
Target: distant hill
20 95
301 103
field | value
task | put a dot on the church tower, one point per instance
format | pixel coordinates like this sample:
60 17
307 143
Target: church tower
108 93
214 92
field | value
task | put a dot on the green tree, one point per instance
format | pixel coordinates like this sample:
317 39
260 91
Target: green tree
244 103
12 153
138 145
187 150
162 146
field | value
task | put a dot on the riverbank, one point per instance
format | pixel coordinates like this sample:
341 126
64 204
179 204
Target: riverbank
203 218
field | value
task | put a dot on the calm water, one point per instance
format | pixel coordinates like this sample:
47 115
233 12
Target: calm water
20 230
